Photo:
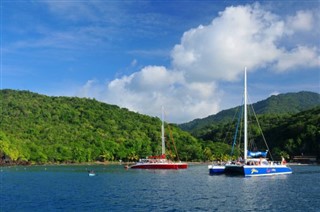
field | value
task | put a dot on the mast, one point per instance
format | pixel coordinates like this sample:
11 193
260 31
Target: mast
162 132
245 115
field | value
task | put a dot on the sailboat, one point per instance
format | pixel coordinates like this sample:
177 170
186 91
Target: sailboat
253 166
159 161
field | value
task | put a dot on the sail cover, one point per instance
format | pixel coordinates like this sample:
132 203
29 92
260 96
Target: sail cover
257 154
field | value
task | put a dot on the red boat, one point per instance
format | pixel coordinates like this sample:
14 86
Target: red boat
160 161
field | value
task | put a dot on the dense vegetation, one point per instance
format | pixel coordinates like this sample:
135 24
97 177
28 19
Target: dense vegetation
286 135
40 129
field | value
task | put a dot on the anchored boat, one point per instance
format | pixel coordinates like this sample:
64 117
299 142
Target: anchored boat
159 161
252 166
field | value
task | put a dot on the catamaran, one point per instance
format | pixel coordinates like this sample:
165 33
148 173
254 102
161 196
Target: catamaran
252 165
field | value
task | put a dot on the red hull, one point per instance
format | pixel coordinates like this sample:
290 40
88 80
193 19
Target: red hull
160 166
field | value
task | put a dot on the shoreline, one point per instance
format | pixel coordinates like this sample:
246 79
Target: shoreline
84 163
126 164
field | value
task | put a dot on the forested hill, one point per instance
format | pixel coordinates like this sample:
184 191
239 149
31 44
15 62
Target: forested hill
43 129
289 103
286 135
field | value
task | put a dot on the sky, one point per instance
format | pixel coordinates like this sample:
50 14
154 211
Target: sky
186 55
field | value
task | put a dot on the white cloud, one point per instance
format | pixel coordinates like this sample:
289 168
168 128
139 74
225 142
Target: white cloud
155 86
240 36
299 57
153 78
275 93
302 21
92 88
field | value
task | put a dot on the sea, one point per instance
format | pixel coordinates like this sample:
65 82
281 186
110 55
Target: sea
114 188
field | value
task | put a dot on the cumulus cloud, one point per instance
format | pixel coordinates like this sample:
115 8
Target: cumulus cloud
151 88
240 36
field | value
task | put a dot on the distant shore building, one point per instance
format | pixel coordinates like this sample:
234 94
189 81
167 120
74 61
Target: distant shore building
305 159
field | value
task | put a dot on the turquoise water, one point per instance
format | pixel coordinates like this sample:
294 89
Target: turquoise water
69 188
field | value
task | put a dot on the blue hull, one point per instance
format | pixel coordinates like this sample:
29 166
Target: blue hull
250 171
215 170
265 171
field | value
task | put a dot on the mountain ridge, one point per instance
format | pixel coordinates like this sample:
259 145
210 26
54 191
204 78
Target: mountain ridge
288 103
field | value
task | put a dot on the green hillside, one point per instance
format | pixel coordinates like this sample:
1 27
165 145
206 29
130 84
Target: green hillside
289 103
285 134
42 129
297 134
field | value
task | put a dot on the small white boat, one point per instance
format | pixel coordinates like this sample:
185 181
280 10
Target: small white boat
92 173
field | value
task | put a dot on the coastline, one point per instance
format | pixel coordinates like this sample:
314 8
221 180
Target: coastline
120 163
82 164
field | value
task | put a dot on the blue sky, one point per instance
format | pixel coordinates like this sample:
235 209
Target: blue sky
188 56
